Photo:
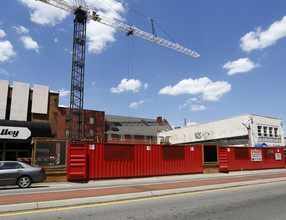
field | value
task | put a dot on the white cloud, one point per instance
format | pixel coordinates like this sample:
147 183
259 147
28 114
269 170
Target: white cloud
261 39
64 92
2 33
198 108
21 29
135 105
187 102
29 43
133 85
211 91
146 86
6 51
93 83
56 40
4 72
241 65
100 36
44 14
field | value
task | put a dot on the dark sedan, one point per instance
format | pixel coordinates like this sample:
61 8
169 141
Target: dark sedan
21 174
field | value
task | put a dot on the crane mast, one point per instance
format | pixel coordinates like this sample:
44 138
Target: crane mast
78 58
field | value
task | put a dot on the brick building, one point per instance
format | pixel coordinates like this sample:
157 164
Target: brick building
93 125
101 128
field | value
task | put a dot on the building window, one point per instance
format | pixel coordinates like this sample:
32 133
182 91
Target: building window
145 138
275 132
265 131
91 132
109 137
67 132
91 121
154 139
270 131
121 137
259 131
132 137
67 118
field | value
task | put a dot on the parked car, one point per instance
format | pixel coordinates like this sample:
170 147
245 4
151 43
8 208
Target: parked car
21 174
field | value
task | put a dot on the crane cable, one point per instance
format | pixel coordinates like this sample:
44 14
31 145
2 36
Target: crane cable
152 22
130 75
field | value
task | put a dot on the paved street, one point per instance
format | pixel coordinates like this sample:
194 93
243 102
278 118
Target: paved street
262 201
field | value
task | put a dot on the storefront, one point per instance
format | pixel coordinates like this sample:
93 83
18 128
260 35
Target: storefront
16 138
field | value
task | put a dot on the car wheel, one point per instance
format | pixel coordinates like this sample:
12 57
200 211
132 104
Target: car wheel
24 182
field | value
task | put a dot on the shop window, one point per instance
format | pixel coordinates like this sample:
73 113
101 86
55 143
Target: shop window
259 131
145 138
50 153
91 121
132 137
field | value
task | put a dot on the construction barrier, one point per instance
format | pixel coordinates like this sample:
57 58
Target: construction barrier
89 161
250 158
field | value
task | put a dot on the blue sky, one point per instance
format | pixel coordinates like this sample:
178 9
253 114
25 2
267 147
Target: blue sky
241 68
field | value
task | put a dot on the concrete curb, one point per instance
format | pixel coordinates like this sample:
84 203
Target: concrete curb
118 197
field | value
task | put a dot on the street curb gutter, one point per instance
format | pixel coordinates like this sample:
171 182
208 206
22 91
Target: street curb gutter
118 197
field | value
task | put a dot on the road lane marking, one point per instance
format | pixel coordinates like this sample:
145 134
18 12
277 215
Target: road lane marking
137 200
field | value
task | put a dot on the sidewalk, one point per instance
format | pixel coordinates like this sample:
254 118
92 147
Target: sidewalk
85 196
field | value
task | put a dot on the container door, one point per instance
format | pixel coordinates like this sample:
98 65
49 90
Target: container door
223 159
77 162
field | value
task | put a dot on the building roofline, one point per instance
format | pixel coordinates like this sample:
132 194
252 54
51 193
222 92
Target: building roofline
246 114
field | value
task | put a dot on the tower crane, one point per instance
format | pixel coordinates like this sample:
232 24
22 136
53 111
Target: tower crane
82 13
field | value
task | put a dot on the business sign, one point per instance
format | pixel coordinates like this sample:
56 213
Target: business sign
278 156
256 155
92 147
15 133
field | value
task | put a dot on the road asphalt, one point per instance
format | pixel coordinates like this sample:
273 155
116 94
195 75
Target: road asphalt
53 195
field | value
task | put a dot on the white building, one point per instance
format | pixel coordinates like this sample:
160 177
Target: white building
243 130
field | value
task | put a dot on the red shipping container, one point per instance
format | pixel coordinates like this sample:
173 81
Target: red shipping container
123 161
251 158
89 161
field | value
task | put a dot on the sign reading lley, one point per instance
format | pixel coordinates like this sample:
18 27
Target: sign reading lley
21 133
